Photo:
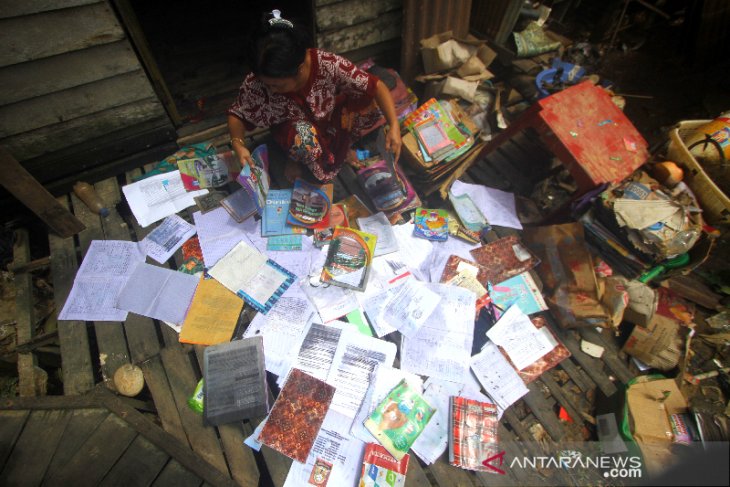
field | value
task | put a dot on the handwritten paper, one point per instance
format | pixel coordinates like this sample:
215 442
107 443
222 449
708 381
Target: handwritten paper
159 196
281 328
102 275
498 206
169 236
219 233
158 293
332 302
442 346
409 306
496 375
212 316
520 338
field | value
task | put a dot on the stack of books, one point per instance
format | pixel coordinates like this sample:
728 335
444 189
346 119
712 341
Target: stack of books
439 138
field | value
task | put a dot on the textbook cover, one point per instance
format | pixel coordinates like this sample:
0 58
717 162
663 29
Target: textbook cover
431 224
256 180
348 258
338 218
380 468
276 209
399 419
310 205
210 171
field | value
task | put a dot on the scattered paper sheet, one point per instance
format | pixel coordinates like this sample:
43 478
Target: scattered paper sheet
520 338
156 197
496 375
219 233
212 316
158 293
379 225
354 361
300 262
101 276
373 305
335 458
443 345
250 274
434 439
498 206
640 214
332 302
418 255
408 308
282 328
169 236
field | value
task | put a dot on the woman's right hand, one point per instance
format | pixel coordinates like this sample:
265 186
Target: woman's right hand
244 156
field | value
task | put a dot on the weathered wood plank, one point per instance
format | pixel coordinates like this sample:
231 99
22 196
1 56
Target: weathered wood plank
591 366
65 71
92 460
56 32
415 476
448 476
175 475
80 101
580 378
182 383
352 12
11 424
18 181
543 411
65 134
24 326
35 447
557 392
114 226
240 457
78 375
16 9
610 355
387 26
139 465
82 424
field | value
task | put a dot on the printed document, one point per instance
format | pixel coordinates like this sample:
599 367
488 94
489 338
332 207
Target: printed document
162 242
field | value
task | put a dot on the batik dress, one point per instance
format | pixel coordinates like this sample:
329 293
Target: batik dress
317 124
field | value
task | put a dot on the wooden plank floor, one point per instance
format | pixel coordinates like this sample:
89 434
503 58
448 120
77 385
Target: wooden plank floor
91 352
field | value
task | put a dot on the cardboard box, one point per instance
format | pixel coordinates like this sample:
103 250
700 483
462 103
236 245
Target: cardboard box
443 51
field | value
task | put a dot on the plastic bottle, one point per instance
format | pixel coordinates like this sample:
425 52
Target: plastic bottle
86 193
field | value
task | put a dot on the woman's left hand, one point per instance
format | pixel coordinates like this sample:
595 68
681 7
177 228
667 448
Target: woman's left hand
393 142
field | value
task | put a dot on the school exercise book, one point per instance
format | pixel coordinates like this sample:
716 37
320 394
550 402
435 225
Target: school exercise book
276 210
348 259
472 433
431 224
310 205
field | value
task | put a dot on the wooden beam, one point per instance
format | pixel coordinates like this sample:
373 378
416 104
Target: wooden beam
23 186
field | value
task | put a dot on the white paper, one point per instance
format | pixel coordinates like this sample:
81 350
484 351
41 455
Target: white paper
300 262
379 225
441 254
252 440
156 197
520 338
416 253
472 389
382 381
373 304
355 359
434 439
219 233
101 276
497 206
442 347
282 328
408 308
162 242
500 381
158 293
335 446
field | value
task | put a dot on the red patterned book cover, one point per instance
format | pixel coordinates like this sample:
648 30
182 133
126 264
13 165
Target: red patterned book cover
297 415
505 258
473 436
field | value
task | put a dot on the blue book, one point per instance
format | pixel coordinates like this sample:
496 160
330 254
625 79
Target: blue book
520 290
275 213
431 224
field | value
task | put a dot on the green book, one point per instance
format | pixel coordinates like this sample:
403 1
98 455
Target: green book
399 419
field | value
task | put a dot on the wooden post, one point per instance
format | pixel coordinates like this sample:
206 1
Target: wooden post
32 194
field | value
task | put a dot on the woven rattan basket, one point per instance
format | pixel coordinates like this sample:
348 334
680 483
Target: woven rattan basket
715 203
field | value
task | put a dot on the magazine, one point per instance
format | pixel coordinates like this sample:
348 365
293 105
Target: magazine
255 180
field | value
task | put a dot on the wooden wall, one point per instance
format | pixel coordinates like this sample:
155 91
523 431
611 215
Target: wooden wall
359 30
73 94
